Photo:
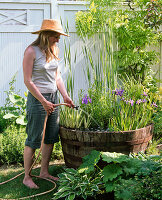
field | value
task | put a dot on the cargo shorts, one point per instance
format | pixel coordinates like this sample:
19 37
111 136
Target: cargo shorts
35 121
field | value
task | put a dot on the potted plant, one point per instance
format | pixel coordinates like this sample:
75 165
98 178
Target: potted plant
116 121
115 112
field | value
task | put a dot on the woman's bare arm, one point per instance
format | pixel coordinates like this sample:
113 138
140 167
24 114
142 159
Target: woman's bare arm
62 89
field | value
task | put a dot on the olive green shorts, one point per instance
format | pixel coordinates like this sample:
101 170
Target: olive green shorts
35 121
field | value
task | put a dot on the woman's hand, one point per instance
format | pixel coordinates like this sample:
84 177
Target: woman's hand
68 100
48 106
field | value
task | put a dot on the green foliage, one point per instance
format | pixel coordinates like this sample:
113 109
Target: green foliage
72 184
3 122
71 118
152 147
157 119
18 111
130 24
14 110
12 145
89 162
124 109
57 152
100 111
129 177
135 107
133 24
12 142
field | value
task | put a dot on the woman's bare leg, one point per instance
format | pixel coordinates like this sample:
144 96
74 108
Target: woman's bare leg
46 155
28 161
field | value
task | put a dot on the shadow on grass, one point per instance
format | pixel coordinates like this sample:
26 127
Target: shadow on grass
15 189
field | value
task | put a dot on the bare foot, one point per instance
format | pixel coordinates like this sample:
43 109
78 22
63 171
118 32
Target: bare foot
49 176
29 183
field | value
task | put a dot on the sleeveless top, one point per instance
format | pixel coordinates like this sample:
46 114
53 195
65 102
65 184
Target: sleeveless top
43 74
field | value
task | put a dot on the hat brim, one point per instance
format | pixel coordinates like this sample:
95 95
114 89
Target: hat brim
58 31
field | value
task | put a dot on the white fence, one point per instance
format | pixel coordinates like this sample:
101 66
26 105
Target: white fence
18 18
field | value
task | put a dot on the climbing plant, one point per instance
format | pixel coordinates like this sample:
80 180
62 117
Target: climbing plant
135 26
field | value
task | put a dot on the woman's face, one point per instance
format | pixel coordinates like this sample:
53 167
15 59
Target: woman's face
53 38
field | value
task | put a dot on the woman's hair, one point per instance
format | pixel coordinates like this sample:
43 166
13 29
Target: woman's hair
43 42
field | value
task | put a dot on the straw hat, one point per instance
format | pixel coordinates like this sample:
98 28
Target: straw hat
51 25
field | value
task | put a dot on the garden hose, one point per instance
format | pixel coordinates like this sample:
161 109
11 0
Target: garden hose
39 194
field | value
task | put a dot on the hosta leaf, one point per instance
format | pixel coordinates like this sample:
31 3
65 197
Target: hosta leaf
111 171
61 176
84 196
95 187
21 120
89 162
14 98
71 171
64 194
71 197
63 189
70 177
78 193
114 157
9 115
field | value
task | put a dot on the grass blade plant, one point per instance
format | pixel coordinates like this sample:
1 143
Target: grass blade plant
134 106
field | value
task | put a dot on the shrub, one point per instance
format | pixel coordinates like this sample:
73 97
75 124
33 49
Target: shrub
3 122
157 119
133 177
12 145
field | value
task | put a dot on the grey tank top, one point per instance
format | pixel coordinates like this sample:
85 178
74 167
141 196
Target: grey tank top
43 74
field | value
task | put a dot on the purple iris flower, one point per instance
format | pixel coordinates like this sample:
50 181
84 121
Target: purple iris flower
118 92
144 94
154 104
139 101
122 99
131 102
144 100
86 99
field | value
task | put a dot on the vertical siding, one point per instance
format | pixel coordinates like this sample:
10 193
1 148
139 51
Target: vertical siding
13 43
12 47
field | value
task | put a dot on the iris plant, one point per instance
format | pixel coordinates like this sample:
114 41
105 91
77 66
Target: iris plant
86 99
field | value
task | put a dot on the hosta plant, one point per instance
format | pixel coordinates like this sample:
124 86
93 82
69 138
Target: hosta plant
17 112
133 177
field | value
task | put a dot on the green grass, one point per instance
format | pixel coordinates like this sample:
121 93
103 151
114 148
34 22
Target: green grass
15 189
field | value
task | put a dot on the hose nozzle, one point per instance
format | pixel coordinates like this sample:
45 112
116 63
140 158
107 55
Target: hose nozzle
76 107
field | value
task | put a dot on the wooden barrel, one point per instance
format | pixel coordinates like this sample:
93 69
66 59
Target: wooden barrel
76 144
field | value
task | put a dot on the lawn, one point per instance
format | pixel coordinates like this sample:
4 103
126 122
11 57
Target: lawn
15 189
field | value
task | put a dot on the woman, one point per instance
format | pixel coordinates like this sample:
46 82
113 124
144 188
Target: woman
43 79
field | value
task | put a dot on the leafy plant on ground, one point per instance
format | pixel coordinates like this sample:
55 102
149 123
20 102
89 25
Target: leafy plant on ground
74 184
12 142
3 122
113 172
12 145
157 119
14 109
18 112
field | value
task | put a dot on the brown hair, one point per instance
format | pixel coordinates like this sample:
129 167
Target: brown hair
43 42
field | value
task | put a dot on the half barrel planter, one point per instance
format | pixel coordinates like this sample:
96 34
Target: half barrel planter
76 144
